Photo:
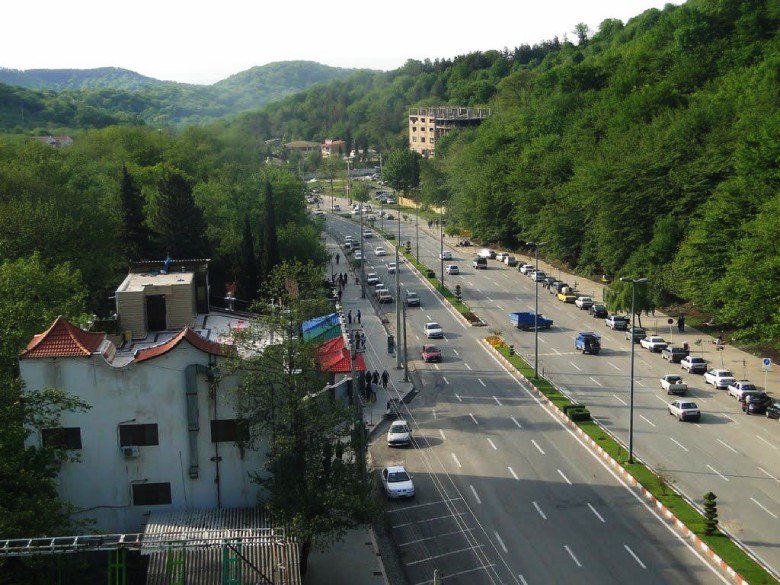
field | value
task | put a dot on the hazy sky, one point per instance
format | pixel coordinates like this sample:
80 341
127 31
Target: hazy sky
200 41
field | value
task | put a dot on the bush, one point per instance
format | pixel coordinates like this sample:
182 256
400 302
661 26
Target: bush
579 414
573 406
430 273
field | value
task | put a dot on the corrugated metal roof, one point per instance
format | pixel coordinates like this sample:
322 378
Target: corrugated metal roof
207 538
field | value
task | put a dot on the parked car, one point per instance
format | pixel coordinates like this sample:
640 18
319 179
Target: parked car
538 276
685 410
738 388
336 207
636 334
673 384
480 263
693 364
372 278
433 330
617 322
773 410
598 311
446 255
357 255
397 482
719 378
392 267
526 268
463 242
567 297
674 355
399 434
380 251
430 353
453 269
510 261
412 299
486 253
755 402
368 234
385 298
653 343
584 303
501 255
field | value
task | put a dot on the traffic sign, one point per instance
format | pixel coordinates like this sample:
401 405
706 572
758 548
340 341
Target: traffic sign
766 363
670 320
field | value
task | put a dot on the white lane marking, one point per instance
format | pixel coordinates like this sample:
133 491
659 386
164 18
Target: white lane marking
473 418
764 508
595 381
492 444
436 366
639 383
538 509
557 352
662 400
519 426
760 438
636 558
497 401
445 380
468 367
571 554
731 419
522 580
564 477
488 298
456 460
455 351
501 542
620 400
762 470
599 516
458 397
434 413
499 307
576 366
729 447
614 366
642 416
538 448
680 445
441 432
481 382
718 472
476 497
512 471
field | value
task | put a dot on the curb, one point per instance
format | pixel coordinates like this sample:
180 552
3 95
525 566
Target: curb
667 514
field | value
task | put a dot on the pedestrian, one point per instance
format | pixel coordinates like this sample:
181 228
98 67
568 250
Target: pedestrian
367 389
337 257
385 378
681 323
375 377
373 393
340 293
363 340
358 316
349 317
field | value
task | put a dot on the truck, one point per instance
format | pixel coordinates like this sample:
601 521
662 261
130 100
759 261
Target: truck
588 342
525 320
673 384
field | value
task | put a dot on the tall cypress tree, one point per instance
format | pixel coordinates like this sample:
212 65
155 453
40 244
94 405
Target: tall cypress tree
269 255
247 278
134 235
179 222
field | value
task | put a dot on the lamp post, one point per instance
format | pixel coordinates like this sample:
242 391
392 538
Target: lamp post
362 256
441 243
634 282
398 363
536 311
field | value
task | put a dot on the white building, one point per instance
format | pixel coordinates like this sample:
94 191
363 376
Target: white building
162 432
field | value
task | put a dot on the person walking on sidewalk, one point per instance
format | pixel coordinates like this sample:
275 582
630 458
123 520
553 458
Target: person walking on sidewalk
337 257
385 378
349 317
358 316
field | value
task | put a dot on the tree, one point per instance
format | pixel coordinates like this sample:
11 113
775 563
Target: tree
134 235
620 296
317 486
270 247
247 270
402 170
710 514
179 221
360 191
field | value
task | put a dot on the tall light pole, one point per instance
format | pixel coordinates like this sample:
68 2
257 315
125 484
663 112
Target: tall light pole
634 282
536 311
362 256
417 223
441 243
398 288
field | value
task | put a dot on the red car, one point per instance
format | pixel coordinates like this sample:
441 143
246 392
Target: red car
431 353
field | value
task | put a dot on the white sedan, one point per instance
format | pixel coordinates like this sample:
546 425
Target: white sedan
685 410
397 482
392 267
446 255
433 330
719 378
380 251
654 343
453 269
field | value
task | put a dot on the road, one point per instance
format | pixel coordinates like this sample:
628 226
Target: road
506 493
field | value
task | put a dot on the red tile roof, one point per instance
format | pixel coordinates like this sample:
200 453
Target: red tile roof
63 339
192 337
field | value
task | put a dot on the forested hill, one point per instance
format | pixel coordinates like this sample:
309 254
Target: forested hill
95 98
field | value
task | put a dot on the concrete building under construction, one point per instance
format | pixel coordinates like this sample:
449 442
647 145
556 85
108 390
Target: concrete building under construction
427 125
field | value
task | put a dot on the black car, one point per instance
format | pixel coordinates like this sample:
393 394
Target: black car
755 402
598 311
773 410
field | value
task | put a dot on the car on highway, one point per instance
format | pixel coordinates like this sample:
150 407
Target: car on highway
598 311
693 364
430 353
755 402
538 276
500 256
372 278
719 378
674 384
433 330
412 299
399 434
385 297
368 234
357 255
453 269
526 269
685 410
480 263
583 303
773 410
674 355
588 342
397 482
738 388
336 207
567 297
446 255
653 343
486 253
392 267
380 251
636 333
510 261
616 322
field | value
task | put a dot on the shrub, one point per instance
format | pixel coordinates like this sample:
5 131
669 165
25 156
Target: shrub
579 414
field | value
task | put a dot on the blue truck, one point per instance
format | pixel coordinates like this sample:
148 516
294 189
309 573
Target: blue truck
525 320
588 342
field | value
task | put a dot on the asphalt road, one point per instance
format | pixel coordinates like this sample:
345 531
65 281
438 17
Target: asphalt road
506 493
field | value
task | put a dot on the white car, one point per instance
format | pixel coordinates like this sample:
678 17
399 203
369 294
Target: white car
392 267
584 302
357 255
526 269
654 343
372 278
486 253
433 330
380 251
453 269
685 410
738 388
719 378
367 234
397 482
399 434
446 255
674 384
501 256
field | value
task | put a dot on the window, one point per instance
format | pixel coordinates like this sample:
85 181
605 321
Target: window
414 138
63 437
422 139
151 494
140 435
414 128
229 430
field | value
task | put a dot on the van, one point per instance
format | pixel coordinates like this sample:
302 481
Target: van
480 263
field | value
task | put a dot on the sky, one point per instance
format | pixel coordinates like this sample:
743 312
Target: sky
202 41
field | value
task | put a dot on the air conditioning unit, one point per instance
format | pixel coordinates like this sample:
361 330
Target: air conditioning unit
130 452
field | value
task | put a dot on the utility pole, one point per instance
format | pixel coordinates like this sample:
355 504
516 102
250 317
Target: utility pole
398 363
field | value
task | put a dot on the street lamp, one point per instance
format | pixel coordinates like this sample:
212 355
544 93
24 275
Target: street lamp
441 243
362 255
634 282
398 287
536 245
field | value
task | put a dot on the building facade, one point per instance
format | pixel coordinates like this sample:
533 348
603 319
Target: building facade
426 125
